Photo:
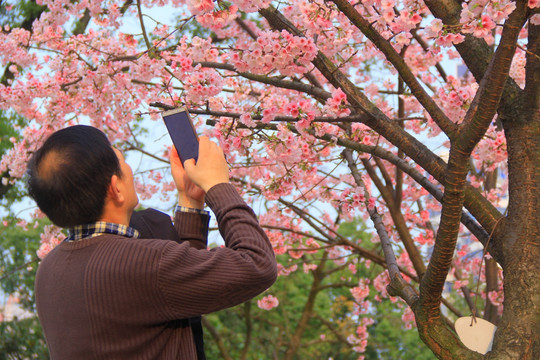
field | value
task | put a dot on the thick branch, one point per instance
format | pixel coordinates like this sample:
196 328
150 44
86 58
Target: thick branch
486 101
398 192
479 206
476 54
385 175
399 222
315 91
491 312
517 335
474 128
532 73
399 64
246 28
398 286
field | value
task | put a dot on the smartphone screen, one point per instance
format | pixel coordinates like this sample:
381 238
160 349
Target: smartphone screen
182 133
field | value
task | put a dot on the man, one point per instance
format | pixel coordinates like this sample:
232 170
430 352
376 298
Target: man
106 294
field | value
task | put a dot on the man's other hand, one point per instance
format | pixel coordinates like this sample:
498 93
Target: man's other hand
189 194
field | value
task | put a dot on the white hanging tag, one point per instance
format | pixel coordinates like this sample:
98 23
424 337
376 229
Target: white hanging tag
477 334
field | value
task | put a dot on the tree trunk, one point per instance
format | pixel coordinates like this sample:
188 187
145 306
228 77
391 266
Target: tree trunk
518 332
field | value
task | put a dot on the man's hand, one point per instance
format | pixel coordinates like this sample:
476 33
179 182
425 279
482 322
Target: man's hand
211 168
189 194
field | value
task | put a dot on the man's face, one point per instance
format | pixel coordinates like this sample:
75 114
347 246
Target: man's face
126 180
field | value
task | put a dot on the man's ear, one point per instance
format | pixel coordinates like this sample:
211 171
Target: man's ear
115 192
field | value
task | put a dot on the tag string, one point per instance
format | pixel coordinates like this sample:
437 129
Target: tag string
474 309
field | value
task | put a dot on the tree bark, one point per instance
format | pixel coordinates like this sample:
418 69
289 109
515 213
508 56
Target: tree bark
518 332
399 222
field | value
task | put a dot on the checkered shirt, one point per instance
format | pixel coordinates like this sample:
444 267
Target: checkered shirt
80 232
180 208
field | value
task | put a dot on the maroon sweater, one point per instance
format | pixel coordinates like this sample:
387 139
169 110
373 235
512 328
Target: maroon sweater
112 297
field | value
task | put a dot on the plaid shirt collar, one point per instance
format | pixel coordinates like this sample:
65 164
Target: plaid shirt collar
99 228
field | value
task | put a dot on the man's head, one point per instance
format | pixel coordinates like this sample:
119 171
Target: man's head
70 175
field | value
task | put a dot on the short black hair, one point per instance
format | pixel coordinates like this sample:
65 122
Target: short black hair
68 177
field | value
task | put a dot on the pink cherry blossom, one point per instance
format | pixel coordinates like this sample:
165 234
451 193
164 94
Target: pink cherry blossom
361 291
268 302
197 7
50 237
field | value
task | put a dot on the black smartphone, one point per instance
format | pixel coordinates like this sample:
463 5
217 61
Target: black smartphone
182 132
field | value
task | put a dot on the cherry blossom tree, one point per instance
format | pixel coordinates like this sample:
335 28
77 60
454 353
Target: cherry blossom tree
327 111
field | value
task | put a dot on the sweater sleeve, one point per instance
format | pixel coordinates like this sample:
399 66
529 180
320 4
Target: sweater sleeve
197 281
192 227
189 226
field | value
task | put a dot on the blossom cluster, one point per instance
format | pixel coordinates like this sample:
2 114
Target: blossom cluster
200 7
337 104
479 17
275 51
491 151
268 302
455 97
361 291
52 235
360 338
251 5
315 18
217 20
202 83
